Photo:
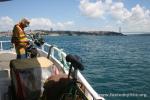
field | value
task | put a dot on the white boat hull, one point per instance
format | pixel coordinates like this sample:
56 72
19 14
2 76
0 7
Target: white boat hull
60 62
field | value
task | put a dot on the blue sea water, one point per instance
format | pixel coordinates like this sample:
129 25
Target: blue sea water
117 67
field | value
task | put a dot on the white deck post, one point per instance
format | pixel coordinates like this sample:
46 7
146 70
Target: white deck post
1 46
42 47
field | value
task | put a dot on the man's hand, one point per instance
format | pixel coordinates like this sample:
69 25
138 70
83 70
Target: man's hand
28 42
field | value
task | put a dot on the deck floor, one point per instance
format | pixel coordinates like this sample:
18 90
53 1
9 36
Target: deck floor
5 60
4 73
5 81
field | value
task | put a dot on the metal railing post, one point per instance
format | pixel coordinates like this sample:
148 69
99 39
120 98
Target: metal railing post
42 47
1 47
52 52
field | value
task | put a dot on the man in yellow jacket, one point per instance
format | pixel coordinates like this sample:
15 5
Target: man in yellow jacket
19 38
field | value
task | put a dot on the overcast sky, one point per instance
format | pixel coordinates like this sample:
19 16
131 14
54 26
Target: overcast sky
78 15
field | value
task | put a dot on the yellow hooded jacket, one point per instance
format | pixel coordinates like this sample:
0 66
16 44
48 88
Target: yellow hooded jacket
20 40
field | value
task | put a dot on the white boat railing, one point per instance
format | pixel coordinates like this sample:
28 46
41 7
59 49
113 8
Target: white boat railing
2 49
59 56
92 94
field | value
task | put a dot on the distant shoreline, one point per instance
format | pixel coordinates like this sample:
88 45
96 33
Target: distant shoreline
70 33
143 34
77 33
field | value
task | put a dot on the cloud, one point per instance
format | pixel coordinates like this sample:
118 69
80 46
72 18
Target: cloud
64 25
100 8
41 23
135 19
6 23
118 11
47 24
139 19
95 9
91 9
